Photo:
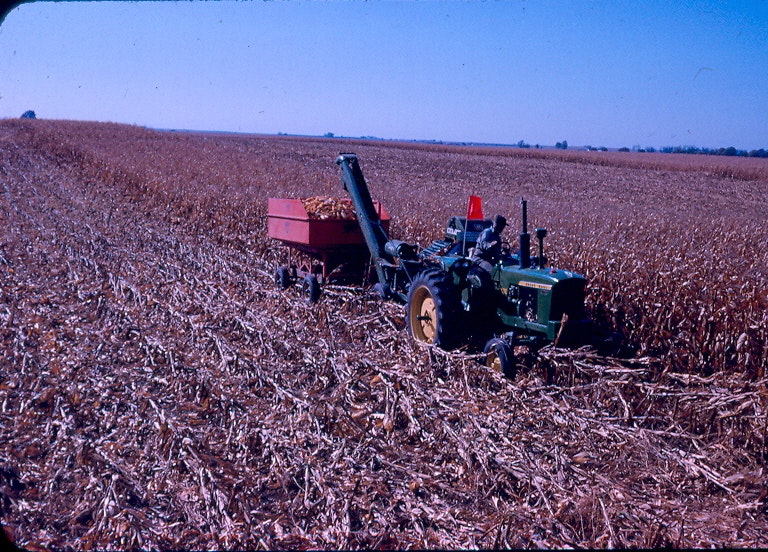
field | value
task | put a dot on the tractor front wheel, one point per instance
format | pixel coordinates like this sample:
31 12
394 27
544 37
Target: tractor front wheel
500 355
433 310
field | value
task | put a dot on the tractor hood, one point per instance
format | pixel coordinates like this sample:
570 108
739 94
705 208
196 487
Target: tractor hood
537 278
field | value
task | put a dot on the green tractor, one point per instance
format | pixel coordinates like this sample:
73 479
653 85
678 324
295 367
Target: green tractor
451 301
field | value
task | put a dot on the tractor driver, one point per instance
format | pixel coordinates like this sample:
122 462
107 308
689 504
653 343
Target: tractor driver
488 249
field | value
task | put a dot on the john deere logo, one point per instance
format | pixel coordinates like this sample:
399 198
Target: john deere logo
535 285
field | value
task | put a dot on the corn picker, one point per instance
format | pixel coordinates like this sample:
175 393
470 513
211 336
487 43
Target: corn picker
450 300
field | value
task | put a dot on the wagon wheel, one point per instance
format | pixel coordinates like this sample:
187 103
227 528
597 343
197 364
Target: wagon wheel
433 310
283 278
310 288
500 355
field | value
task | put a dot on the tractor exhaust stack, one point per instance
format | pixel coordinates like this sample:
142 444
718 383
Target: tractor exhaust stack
525 238
541 233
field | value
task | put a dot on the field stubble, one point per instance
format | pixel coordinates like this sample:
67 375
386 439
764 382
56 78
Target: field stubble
157 391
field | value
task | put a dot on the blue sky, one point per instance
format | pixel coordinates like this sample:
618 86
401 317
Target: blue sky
601 73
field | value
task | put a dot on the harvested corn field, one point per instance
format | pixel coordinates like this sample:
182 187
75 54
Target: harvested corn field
158 391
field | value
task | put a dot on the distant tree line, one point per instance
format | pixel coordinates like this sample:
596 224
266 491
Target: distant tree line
729 151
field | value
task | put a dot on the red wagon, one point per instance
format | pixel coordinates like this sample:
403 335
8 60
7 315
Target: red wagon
323 247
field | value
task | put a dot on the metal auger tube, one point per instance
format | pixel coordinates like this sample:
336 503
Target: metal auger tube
367 216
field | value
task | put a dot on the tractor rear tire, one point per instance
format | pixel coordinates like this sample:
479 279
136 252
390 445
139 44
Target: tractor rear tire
500 356
310 288
433 310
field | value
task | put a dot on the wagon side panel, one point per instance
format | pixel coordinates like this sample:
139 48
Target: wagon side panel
288 221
